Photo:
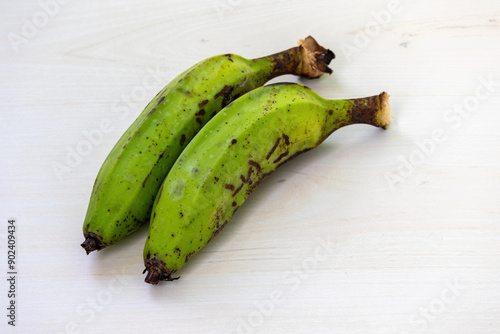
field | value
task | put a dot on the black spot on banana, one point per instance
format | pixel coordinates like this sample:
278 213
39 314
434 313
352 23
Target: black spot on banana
129 179
232 154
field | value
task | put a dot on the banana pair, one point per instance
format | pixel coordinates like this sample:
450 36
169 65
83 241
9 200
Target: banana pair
205 142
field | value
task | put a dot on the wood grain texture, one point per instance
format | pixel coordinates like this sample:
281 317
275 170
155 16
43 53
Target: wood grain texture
372 232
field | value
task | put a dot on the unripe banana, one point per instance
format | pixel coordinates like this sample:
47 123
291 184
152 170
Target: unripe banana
129 179
229 157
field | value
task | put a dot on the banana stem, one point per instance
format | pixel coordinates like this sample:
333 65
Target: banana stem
373 110
308 60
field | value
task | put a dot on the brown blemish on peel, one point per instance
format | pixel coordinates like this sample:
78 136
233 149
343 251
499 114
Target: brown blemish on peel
226 94
219 228
156 163
160 101
248 178
273 149
287 139
255 164
229 186
146 179
202 103
249 175
281 156
219 213
159 195
264 175
237 190
189 255
160 156
183 139
152 111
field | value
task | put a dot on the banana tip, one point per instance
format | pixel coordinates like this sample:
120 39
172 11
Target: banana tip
92 242
155 274
152 277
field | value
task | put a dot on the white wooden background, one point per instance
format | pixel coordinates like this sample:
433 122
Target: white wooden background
372 232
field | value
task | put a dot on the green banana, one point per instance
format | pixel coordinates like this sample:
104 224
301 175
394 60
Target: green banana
246 141
129 179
